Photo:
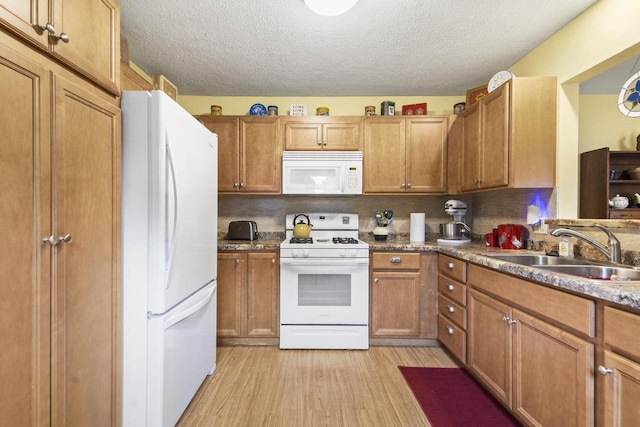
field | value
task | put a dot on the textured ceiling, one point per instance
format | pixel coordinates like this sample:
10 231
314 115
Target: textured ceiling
380 47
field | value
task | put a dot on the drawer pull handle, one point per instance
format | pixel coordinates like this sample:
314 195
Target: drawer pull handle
396 260
604 371
450 308
450 265
450 287
504 318
512 321
449 330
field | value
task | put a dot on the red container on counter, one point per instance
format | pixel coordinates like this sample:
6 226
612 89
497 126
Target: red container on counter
511 236
490 240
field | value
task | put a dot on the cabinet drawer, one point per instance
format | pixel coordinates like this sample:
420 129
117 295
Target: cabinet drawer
621 330
624 214
570 310
452 267
452 289
453 338
452 311
395 261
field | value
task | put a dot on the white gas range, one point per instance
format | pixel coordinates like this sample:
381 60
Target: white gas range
324 284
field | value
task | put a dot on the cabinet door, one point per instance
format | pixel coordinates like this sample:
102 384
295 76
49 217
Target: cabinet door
86 197
262 294
341 135
495 139
621 391
24 17
384 155
228 153
25 215
489 344
93 48
553 374
260 155
470 151
426 154
302 136
395 304
231 307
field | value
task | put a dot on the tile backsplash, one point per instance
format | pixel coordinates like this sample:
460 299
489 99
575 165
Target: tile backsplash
485 210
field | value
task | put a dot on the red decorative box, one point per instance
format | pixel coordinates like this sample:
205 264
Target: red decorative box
415 109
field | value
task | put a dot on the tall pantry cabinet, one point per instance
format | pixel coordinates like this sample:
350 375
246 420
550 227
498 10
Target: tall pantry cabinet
60 182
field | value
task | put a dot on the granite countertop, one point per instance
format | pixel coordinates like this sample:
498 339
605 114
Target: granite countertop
623 293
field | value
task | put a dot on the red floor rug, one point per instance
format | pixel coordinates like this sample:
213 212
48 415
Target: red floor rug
450 397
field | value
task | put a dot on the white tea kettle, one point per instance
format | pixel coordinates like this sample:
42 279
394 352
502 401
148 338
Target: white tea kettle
619 202
301 230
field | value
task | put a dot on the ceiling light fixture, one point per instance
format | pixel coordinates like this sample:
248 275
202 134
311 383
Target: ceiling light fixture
330 7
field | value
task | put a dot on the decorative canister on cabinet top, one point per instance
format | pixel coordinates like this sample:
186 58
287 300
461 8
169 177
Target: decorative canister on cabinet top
216 110
272 110
370 110
388 108
322 111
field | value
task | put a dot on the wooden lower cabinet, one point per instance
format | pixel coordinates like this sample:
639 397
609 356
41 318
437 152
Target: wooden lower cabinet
621 390
620 369
541 372
403 295
60 310
452 306
248 284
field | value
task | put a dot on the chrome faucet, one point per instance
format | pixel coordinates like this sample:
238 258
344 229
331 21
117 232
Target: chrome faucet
611 251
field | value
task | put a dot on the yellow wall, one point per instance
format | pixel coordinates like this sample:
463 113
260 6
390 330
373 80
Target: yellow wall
338 106
602 125
593 42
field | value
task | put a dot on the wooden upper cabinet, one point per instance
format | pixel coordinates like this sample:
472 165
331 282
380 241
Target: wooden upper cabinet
509 137
23 17
249 153
260 155
405 154
322 133
93 49
91 28
494 159
426 154
131 80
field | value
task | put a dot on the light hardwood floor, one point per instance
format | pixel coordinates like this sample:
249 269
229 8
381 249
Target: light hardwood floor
266 386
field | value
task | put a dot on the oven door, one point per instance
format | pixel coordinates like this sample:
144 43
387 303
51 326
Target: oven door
324 291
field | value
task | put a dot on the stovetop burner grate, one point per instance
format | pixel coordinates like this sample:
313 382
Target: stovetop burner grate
345 240
301 240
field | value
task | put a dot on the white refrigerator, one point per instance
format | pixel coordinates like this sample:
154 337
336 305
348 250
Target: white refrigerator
169 226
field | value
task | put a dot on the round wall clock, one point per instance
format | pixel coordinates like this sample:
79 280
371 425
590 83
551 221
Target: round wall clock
498 79
629 97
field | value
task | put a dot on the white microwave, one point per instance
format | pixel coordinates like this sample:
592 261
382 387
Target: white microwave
322 172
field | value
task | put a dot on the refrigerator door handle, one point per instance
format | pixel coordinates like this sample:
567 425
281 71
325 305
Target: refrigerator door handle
192 309
174 232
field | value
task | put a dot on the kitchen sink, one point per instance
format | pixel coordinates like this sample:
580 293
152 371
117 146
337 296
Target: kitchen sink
597 272
537 260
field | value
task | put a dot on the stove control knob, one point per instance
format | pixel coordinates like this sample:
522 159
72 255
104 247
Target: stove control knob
342 253
354 253
305 253
294 253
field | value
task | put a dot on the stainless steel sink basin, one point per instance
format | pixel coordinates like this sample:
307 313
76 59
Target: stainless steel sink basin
598 272
536 260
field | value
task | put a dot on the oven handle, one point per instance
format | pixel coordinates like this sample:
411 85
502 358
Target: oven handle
325 262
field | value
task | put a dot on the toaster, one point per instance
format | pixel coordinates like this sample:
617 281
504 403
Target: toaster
242 230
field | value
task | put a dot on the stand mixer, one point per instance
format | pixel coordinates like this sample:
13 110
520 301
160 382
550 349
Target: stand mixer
453 231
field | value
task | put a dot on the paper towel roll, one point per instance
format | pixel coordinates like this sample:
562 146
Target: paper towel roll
417 228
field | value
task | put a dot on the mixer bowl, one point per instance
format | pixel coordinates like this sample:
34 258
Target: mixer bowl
452 230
